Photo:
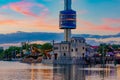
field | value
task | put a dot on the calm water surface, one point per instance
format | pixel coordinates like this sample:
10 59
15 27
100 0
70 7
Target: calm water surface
21 71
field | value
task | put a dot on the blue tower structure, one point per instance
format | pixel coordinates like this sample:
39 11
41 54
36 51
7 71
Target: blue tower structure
67 19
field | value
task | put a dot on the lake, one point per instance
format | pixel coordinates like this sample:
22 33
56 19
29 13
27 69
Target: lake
21 71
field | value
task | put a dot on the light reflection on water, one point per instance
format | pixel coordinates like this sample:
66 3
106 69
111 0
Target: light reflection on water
21 71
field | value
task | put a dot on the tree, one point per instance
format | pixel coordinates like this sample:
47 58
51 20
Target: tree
46 46
36 45
103 49
11 52
115 46
1 52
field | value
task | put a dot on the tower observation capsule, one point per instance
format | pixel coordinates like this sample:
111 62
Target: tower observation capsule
67 19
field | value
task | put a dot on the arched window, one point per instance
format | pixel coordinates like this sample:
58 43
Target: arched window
83 54
76 49
64 54
83 48
71 50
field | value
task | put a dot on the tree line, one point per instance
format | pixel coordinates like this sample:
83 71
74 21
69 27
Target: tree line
13 51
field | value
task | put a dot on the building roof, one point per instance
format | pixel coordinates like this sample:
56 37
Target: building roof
62 42
94 47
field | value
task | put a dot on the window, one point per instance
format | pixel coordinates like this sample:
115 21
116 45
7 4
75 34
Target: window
83 54
66 47
86 49
55 48
83 48
71 50
76 49
63 47
64 54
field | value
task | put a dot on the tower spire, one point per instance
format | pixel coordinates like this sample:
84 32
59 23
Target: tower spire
67 4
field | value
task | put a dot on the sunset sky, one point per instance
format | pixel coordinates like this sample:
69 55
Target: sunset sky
93 16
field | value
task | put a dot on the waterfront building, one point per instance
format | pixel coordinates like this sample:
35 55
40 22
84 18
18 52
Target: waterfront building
91 50
76 47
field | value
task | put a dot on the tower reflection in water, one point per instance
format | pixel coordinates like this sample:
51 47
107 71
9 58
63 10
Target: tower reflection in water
58 72
41 74
72 72
68 72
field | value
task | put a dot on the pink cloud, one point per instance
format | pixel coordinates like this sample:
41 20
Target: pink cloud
45 10
37 23
111 21
6 22
25 8
86 25
4 7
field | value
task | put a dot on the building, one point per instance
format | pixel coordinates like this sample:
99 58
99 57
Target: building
76 47
91 50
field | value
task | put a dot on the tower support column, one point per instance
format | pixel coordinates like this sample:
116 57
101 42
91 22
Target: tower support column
67 34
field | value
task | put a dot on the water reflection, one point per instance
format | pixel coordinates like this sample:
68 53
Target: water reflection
77 72
41 74
68 72
20 71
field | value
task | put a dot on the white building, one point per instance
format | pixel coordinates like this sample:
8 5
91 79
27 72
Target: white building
76 47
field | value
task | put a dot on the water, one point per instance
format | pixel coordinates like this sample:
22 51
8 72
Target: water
22 71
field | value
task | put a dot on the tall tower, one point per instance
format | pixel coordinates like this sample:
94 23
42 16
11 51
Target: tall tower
67 19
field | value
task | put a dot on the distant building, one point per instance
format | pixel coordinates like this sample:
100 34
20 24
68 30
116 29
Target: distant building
93 50
76 47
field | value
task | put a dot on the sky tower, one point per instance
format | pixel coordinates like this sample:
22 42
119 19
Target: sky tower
67 19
